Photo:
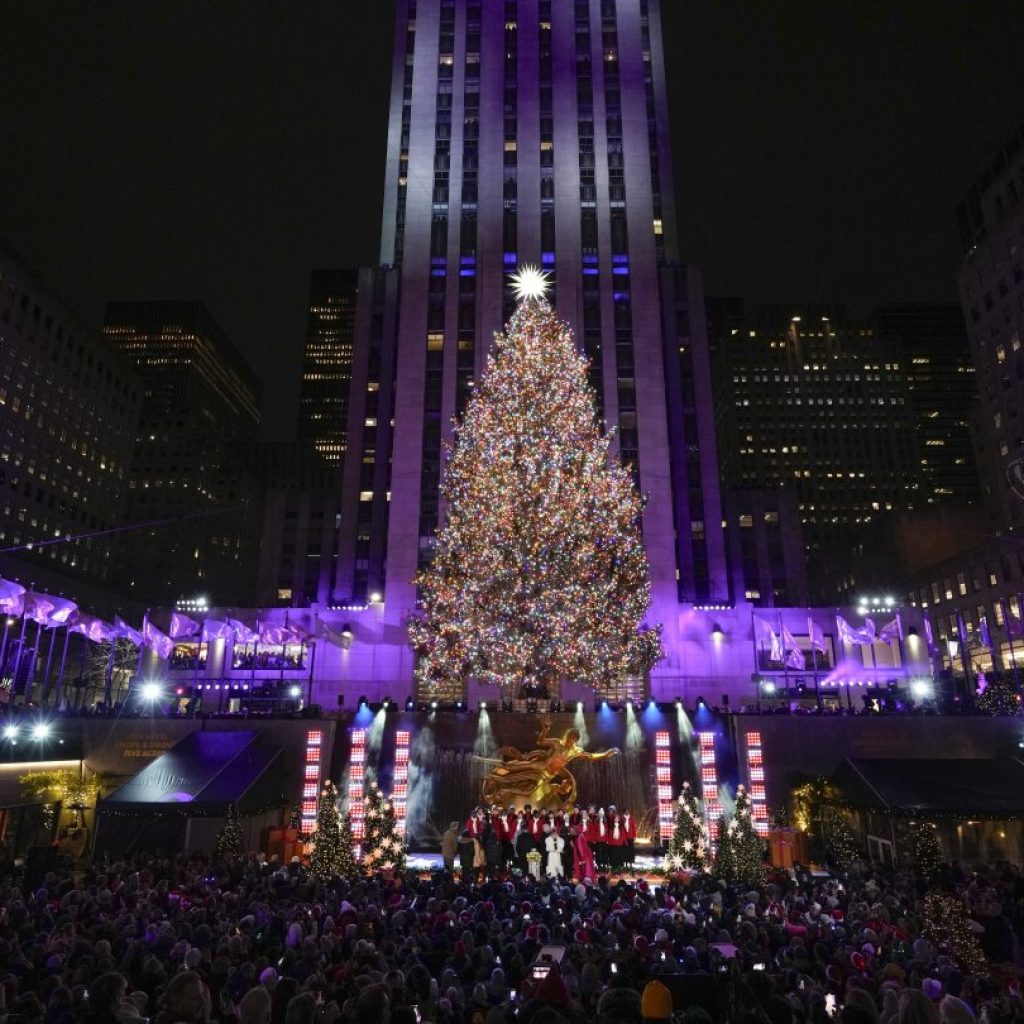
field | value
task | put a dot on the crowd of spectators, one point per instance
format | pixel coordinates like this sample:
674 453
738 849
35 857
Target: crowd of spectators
183 940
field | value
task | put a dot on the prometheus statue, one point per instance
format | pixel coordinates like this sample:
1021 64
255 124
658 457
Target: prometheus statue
540 777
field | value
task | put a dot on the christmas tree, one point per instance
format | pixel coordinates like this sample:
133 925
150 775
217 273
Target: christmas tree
927 852
998 698
229 839
725 851
947 927
840 843
689 847
347 865
539 572
740 848
326 863
383 848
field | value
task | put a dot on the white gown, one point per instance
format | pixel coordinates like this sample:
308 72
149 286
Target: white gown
554 844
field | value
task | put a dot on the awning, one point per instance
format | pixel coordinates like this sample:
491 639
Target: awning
972 787
202 775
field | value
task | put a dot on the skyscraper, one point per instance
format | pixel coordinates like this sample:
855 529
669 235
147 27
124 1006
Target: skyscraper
991 281
818 404
201 402
327 362
529 132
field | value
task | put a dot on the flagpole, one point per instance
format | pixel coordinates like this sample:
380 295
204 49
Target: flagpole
142 648
8 622
49 664
60 671
814 660
785 660
109 673
17 660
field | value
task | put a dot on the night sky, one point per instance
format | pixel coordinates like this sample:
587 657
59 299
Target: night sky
221 151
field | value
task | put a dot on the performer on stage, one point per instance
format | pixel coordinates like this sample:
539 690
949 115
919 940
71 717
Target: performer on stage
586 869
554 845
600 842
616 840
629 831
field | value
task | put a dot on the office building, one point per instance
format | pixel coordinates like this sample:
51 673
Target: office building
69 407
815 403
529 132
991 284
201 402
936 363
327 362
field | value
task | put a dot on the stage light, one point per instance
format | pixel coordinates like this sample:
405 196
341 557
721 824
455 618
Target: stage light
716 631
629 702
433 705
294 691
483 705
363 702
375 597
651 703
768 686
151 691
410 704
458 705
920 689
701 702
679 702
41 731
11 732
579 705
387 703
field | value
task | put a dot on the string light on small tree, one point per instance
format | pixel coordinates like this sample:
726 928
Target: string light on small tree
229 839
383 847
927 851
947 927
689 847
325 863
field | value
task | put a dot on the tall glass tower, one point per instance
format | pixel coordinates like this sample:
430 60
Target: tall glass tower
529 132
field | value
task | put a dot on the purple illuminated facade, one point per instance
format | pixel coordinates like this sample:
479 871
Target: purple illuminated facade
528 132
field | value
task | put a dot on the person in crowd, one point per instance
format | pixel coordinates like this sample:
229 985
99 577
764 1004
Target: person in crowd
554 846
468 846
450 846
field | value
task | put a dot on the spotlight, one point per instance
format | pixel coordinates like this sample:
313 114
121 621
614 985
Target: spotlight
410 704
458 705
920 689
701 702
483 705
41 731
679 702
768 686
579 705
11 733
363 702
387 704
629 702
294 691
716 630
651 703
433 705
151 691
375 597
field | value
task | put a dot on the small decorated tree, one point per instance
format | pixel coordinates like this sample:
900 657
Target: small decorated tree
689 846
348 866
383 848
927 852
725 851
947 927
748 846
840 843
229 839
325 863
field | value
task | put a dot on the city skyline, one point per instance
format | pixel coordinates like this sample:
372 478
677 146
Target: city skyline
243 213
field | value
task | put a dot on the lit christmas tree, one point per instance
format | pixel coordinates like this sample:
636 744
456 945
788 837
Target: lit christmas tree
740 848
840 843
539 571
947 927
383 849
927 852
347 864
690 846
998 698
326 863
229 839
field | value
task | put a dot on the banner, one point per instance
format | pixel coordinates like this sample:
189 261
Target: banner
243 634
128 632
182 626
857 637
216 629
764 637
157 641
892 632
983 633
817 636
92 628
12 598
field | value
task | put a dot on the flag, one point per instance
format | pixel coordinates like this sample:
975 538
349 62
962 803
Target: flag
983 633
794 656
215 629
276 636
243 634
961 629
157 641
48 610
340 638
128 632
928 635
765 637
92 628
182 626
12 598
849 635
817 636
892 631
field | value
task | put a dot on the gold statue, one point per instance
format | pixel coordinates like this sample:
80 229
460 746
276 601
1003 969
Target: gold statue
539 778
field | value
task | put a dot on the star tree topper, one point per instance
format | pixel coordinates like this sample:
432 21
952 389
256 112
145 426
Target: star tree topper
530 282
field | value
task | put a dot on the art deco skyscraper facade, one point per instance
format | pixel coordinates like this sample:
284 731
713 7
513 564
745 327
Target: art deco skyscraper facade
528 132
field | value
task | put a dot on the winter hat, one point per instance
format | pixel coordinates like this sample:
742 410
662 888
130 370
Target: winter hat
656 1002
932 988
